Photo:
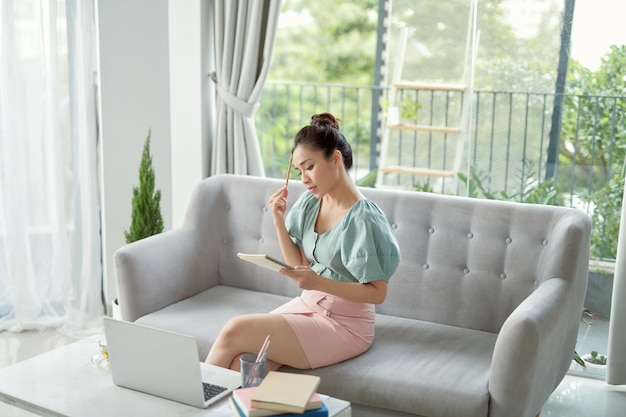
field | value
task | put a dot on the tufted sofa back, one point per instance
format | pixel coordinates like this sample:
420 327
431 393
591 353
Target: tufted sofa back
465 262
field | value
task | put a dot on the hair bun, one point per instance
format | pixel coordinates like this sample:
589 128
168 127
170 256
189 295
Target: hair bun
325 119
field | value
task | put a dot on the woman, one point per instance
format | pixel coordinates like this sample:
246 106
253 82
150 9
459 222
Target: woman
345 254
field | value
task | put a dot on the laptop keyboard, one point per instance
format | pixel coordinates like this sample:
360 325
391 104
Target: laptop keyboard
211 390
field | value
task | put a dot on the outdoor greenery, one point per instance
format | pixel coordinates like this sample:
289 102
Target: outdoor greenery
593 140
146 215
324 60
325 42
533 192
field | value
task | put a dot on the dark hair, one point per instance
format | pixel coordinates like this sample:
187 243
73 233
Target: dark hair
323 134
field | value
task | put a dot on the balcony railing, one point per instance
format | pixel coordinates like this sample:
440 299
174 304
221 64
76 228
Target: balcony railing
508 147
287 107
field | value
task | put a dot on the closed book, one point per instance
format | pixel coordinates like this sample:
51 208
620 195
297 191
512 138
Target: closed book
243 399
286 392
321 411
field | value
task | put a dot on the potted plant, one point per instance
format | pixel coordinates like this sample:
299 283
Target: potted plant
586 313
594 360
146 218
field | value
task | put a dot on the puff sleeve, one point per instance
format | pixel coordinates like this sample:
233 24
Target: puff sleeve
369 249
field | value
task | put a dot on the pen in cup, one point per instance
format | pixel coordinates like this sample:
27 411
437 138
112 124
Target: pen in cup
263 352
254 372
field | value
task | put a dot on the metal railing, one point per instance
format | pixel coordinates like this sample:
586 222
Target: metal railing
507 148
287 107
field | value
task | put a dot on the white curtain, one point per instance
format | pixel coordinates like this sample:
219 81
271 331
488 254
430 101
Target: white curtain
50 250
244 36
616 364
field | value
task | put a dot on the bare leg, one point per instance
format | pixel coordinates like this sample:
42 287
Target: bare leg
245 334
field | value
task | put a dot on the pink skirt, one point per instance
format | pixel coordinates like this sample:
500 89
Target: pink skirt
330 329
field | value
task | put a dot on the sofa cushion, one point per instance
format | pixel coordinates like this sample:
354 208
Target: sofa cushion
441 376
417 367
204 314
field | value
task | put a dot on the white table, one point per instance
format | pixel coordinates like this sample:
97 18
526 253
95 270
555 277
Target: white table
64 382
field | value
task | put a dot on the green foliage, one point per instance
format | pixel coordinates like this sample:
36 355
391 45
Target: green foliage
326 41
597 358
605 216
286 108
409 109
146 217
423 187
331 42
532 192
477 184
579 360
321 42
593 140
437 40
368 180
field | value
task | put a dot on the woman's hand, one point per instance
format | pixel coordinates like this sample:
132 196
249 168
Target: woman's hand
373 292
304 276
278 203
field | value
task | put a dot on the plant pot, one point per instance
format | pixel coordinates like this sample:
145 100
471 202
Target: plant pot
588 358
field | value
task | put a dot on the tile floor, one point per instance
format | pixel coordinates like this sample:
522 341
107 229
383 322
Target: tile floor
581 394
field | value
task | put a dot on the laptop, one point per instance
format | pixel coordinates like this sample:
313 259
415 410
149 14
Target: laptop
164 364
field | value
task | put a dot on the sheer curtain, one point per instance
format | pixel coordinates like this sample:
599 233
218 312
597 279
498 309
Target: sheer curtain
616 365
50 247
244 35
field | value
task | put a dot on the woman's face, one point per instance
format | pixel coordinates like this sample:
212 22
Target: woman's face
318 173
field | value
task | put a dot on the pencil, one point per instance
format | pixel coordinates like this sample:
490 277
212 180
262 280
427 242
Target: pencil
289 170
254 373
263 350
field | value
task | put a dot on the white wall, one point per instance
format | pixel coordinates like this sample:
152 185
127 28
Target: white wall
188 82
141 88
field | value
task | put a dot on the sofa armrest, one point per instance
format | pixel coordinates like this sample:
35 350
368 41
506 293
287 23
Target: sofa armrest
529 352
160 270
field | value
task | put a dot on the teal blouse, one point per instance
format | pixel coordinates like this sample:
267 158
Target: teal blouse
359 248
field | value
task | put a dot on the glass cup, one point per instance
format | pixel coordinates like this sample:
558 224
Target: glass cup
252 372
104 350
101 359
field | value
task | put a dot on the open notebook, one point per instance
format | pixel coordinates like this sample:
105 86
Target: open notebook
264 260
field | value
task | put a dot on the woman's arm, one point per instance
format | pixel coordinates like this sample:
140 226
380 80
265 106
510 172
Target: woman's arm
290 251
373 292
292 254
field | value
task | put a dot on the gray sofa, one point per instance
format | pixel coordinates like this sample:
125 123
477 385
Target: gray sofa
481 317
